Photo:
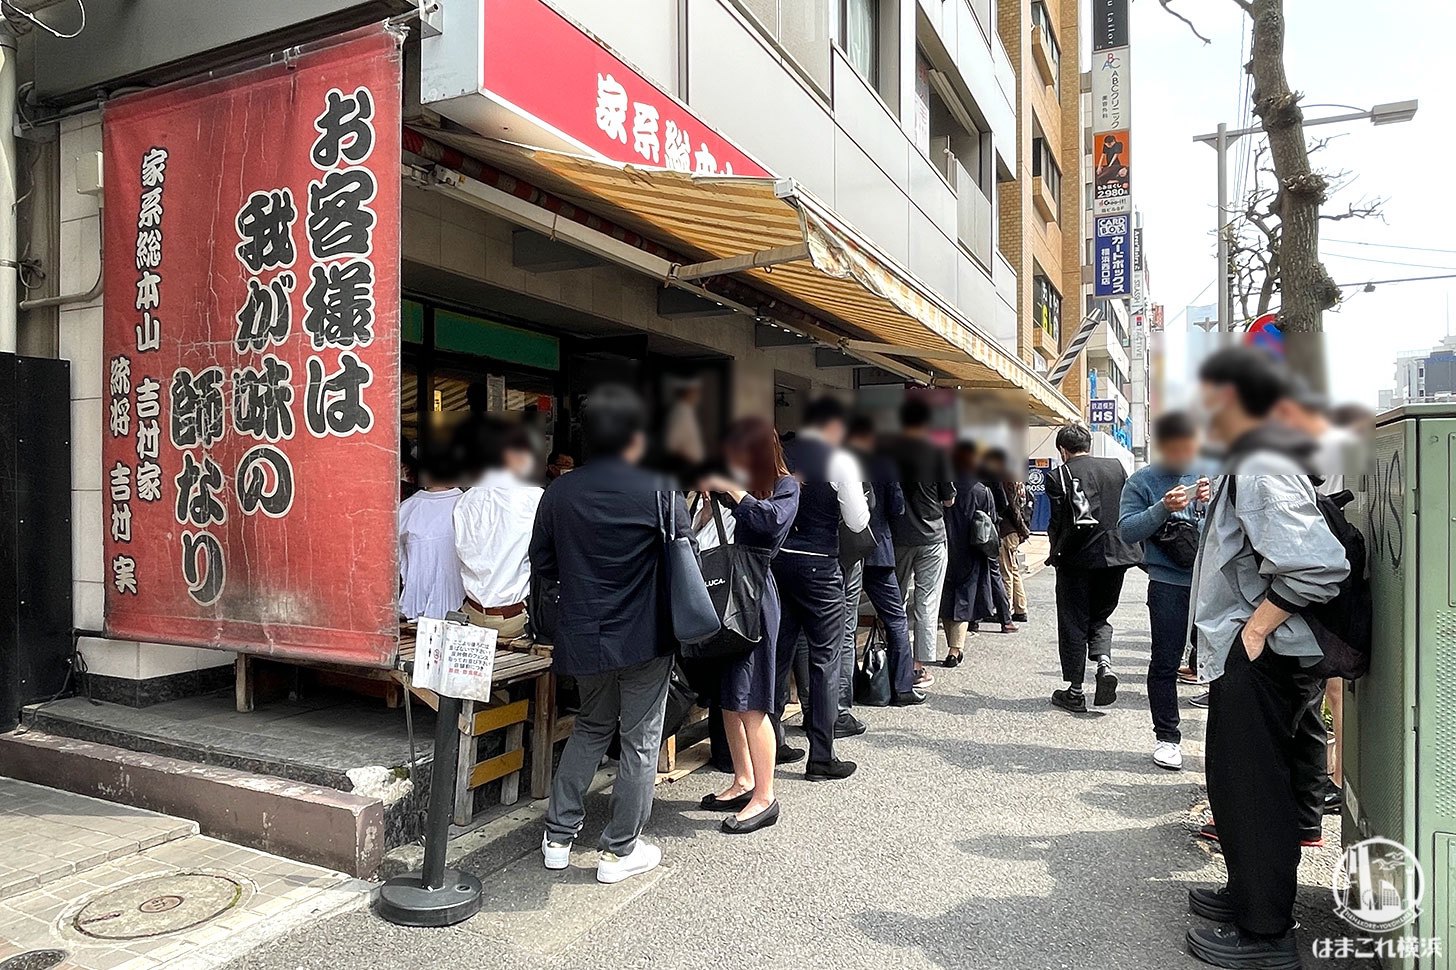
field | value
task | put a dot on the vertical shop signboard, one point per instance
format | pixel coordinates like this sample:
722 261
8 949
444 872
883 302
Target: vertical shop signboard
250 428
1112 250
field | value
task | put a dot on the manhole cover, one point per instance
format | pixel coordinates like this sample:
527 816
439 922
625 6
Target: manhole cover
161 904
34 960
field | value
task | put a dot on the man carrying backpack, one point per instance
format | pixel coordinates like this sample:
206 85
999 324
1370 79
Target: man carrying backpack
1266 558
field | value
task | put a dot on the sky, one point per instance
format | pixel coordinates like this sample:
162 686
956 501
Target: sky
1345 52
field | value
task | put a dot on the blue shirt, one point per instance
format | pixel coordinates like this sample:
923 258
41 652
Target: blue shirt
1142 512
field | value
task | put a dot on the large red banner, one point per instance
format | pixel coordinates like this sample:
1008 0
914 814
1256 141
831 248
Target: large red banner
251 403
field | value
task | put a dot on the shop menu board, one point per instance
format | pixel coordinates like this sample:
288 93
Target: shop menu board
250 427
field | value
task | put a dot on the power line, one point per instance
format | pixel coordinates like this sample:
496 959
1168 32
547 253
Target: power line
1386 262
1404 279
1416 249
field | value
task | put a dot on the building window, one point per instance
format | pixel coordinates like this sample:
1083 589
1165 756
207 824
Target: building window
1042 18
802 29
1047 307
1045 166
860 37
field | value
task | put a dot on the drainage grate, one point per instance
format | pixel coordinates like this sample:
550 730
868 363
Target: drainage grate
33 960
157 906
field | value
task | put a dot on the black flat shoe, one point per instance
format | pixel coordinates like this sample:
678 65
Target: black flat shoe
1018 618
747 826
787 754
1229 946
1106 687
712 803
829 770
909 698
1211 904
953 660
1067 701
849 726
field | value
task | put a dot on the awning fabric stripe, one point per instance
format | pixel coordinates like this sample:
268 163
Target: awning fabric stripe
845 278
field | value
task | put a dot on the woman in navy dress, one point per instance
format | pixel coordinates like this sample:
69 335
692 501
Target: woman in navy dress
763 498
973 591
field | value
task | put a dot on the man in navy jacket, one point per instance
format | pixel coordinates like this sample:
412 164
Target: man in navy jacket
598 532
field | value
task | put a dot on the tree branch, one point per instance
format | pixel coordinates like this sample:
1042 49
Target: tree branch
1168 6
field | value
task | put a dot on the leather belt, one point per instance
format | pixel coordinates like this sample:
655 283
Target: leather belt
504 612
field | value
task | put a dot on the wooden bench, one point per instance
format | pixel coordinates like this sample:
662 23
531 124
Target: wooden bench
477 719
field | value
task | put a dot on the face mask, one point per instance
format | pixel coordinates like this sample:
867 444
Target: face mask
739 475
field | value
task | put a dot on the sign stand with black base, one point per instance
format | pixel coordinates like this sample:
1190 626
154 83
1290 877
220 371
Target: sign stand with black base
436 895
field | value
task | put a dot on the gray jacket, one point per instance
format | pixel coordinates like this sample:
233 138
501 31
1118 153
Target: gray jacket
1271 542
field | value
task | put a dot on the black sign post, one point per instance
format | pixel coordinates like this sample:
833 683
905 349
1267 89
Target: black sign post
436 895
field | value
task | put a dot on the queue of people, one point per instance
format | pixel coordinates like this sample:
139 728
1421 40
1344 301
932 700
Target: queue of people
1241 554
1228 520
825 517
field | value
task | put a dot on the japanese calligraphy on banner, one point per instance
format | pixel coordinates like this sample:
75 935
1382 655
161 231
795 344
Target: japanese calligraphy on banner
550 70
251 341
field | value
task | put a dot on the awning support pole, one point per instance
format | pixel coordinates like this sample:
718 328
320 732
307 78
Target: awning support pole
762 259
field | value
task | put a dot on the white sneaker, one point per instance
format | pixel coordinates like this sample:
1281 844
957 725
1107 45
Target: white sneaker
1167 754
614 868
557 856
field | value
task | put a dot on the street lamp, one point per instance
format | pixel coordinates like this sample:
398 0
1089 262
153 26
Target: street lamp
1388 113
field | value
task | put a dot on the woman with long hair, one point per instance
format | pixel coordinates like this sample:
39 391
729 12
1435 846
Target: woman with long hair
973 589
763 499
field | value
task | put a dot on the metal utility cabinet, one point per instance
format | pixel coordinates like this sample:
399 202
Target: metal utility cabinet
1400 720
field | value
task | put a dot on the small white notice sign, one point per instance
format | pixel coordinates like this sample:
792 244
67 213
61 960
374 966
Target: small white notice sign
454 659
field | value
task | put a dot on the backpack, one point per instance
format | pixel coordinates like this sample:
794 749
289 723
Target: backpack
1343 627
985 536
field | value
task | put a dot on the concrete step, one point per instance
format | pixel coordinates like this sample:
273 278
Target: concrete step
311 823
47 835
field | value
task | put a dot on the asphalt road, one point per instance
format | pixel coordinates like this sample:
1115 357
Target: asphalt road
985 829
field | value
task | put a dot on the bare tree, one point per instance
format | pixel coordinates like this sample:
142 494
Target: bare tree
1256 232
1293 212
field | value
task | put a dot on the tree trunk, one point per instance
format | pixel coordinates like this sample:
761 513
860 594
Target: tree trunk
1306 289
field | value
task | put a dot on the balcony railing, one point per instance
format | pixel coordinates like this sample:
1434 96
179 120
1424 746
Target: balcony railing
975 216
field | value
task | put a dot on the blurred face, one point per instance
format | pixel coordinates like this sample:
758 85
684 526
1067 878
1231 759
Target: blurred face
1178 454
634 451
833 432
1218 406
862 442
520 462
1296 416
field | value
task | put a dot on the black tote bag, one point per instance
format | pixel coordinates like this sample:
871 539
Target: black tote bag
735 577
689 605
872 687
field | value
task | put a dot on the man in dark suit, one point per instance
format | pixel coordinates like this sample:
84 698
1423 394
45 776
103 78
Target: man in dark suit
598 533
1091 560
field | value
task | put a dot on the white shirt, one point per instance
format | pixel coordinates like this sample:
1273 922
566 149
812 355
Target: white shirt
848 483
428 568
683 437
493 523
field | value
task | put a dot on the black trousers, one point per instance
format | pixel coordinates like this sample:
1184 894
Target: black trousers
1311 763
1253 712
1085 601
811 589
1168 615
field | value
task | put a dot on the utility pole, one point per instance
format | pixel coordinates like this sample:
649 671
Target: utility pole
1388 113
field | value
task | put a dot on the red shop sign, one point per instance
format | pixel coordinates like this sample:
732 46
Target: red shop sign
250 427
549 73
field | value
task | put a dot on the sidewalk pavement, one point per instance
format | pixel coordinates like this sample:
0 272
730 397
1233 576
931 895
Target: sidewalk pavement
109 886
984 829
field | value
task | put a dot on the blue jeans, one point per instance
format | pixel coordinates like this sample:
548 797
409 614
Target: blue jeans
1168 612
